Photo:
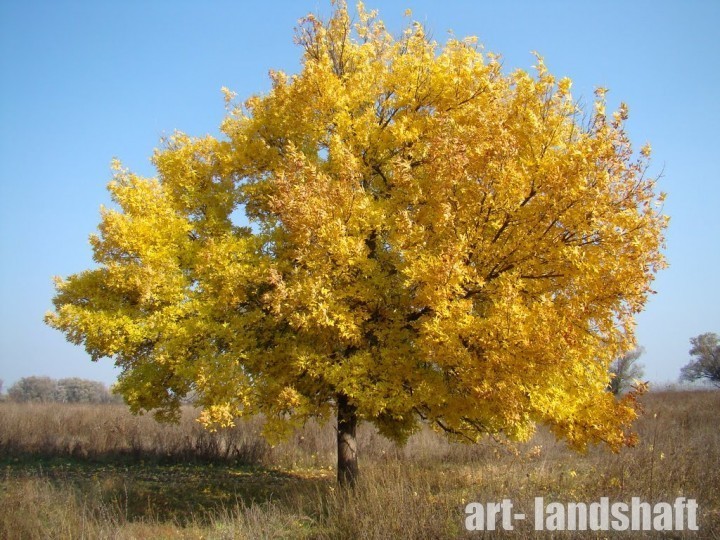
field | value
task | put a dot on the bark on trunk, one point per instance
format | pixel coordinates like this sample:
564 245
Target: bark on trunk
347 467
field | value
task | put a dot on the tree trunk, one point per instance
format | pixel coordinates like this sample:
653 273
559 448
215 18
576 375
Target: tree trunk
347 467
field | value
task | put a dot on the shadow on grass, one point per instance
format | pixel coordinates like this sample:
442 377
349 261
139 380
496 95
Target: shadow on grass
183 493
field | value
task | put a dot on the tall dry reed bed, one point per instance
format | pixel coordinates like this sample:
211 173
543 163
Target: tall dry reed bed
418 491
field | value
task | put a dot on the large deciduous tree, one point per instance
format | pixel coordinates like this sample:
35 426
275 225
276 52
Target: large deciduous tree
431 239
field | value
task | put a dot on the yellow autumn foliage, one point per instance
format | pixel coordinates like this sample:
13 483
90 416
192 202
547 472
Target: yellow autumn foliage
429 236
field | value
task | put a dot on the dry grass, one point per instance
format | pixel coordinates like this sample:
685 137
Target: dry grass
98 472
101 432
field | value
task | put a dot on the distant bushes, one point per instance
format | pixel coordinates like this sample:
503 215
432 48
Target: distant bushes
70 390
36 389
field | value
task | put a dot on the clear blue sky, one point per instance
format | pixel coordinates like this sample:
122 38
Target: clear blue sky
83 82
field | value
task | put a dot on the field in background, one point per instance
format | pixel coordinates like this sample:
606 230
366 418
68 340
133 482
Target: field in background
95 471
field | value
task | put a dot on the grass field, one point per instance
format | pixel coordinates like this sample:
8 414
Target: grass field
98 472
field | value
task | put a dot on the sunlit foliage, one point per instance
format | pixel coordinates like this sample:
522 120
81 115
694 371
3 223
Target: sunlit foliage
431 236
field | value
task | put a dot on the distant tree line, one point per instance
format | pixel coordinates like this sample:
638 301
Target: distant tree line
704 366
70 390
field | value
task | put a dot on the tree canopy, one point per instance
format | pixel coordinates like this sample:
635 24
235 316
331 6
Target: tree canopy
625 371
706 362
69 390
34 389
430 238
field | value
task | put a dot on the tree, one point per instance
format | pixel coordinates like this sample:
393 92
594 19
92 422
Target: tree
70 390
76 390
706 365
33 389
430 240
624 370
